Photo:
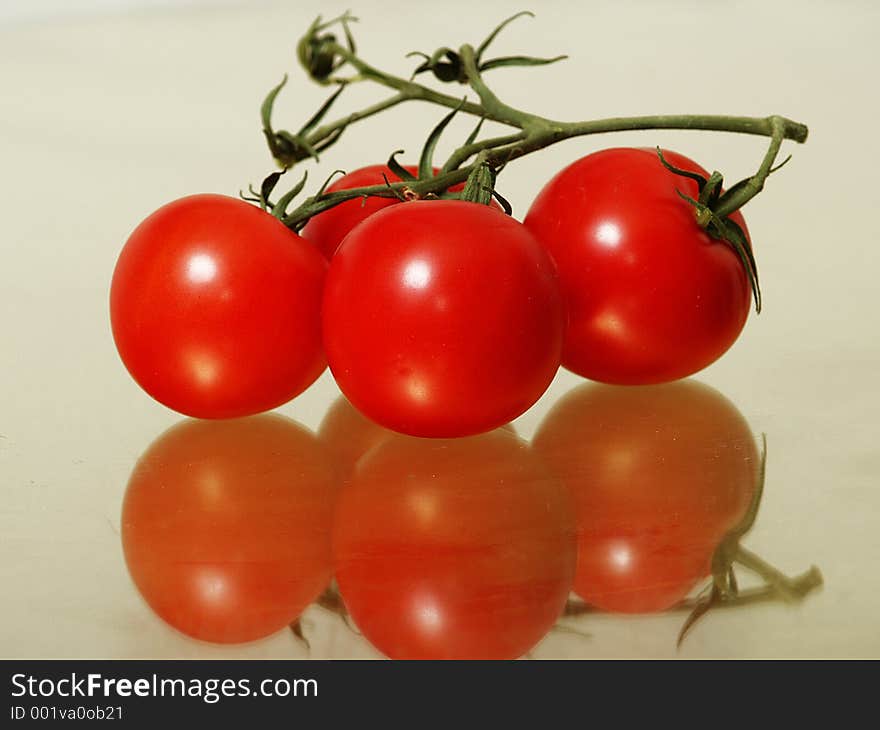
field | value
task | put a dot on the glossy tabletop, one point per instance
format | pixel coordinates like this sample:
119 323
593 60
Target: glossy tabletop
588 528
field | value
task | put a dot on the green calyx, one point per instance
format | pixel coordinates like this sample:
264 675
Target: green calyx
480 185
262 197
317 49
708 207
287 148
447 65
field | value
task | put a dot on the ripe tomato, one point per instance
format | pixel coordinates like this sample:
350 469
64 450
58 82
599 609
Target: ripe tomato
326 230
651 296
458 549
225 526
215 308
442 318
658 475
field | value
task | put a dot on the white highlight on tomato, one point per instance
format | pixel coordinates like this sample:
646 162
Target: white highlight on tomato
201 269
609 322
211 489
417 275
620 461
608 234
417 389
204 367
424 507
428 614
212 586
621 557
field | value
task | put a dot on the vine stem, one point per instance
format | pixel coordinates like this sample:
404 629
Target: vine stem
325 131
318 204
533 133
800 587
791 590
467 151
493 107
409 89
755 184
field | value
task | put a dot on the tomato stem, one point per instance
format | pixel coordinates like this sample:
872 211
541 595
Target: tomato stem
755 184
800 586
480 183
322 57
789 589
723 591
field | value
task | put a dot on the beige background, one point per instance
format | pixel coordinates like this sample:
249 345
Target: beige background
105 117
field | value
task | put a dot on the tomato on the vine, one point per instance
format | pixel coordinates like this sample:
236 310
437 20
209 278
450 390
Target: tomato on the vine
226 526
658 475
326 230
215 308
454 549
651 296
442 318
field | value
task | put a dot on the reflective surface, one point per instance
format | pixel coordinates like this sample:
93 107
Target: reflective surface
627 501
98 128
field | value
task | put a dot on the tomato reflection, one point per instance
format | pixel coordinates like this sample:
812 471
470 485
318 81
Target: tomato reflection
225 526
348 435
658 475
454 548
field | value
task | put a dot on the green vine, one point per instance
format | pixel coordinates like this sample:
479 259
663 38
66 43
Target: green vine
331 62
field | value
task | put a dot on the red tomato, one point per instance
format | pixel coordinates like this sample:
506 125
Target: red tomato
326 230
442 318
658 475
458 549
225 526
215 308
651 296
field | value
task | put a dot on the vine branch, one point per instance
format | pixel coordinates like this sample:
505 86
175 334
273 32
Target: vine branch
322 56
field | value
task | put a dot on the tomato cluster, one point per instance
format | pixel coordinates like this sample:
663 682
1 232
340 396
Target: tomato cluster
438 317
